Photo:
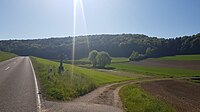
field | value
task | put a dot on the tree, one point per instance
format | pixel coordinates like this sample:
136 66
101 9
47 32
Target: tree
103 58
149 51
134 56
92 57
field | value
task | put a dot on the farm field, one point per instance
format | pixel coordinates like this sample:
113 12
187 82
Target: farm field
67 86
84 61
157 67
154 67
6 55
119 60
181 57
184 96
189 64
156 71
137 100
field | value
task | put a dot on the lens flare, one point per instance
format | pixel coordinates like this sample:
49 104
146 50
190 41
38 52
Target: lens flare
85 23
74 37
76 3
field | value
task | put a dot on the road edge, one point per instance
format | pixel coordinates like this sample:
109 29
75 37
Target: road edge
36 88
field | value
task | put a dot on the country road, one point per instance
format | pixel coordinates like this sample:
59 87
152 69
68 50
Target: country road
17 86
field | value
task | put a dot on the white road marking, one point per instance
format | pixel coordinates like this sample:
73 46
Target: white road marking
7 68
36 88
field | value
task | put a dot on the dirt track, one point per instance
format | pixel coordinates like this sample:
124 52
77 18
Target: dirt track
103 99
184 96
193 65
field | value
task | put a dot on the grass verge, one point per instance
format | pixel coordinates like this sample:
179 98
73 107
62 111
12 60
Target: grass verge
6 55
166 72
135 99
68 86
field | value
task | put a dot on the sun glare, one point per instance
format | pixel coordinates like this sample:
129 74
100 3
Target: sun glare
76 3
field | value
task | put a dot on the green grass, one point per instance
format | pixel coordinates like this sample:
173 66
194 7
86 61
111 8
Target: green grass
6 55
85 61
77 62
119 59
181 57
135 99
67 86
166 72
194 79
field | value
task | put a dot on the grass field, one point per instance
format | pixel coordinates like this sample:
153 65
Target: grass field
167 72
181 57
6 55
114 59
85 61
67 86
119 59
135 99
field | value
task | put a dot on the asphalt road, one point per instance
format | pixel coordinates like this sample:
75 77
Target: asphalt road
17 86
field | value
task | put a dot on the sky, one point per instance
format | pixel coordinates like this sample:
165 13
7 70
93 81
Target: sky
30 19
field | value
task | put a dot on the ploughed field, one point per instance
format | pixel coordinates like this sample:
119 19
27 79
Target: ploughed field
182 95
179 61
192 64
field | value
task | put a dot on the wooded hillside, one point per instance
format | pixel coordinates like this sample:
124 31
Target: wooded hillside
116 45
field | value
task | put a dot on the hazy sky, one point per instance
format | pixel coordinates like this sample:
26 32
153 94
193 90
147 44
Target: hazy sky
23 19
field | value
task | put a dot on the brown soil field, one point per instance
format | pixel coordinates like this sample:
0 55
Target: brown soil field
183 96
193 65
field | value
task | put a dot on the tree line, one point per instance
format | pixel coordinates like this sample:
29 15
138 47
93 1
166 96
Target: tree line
119 45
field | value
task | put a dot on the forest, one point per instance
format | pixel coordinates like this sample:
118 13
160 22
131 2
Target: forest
118 45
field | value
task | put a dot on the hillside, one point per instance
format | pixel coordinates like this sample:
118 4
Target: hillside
116 45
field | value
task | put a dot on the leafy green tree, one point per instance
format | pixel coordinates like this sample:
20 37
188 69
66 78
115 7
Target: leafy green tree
134 56
103 58
92 57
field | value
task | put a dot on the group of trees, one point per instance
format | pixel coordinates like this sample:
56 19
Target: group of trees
136 56
100 59
121 45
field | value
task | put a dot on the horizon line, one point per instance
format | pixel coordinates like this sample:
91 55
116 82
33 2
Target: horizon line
82 35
